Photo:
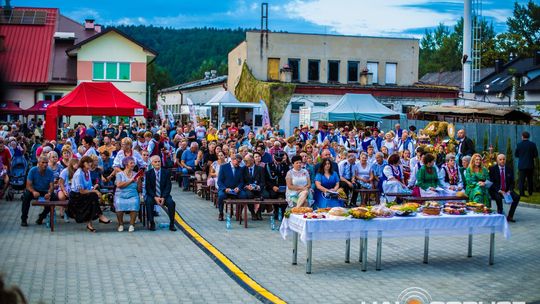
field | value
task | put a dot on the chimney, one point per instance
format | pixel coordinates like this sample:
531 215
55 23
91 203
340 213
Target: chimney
498 65
213 73
89 24
207 75
97 28
537 58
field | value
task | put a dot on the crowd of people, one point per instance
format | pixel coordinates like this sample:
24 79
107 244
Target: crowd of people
311 167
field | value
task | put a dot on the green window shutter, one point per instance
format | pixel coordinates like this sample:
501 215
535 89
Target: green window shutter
125 71
112 71
98 70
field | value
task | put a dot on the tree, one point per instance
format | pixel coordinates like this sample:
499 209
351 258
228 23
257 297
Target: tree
157 78
525 24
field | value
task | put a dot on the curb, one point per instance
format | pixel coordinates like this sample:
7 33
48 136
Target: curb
529 205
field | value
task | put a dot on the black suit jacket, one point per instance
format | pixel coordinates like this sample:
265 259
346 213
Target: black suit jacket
467 148
164 183
526 151
257 178
495 178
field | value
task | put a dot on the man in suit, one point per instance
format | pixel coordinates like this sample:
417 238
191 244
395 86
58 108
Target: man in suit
526 151
230 182
465 147
503 181
158 191
253 183
348 171
276 172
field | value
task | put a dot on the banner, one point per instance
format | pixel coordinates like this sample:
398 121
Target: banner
265 114
192 113
171 117
160 111
304 116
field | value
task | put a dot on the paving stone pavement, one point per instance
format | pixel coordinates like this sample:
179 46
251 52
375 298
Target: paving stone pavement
72 265
449 276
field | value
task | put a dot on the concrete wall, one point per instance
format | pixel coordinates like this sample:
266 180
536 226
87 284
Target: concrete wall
306 47
235 60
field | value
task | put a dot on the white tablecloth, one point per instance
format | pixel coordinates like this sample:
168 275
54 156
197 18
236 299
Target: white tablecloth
330 229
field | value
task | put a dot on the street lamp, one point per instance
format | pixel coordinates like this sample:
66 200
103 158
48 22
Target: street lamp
149 99
486 91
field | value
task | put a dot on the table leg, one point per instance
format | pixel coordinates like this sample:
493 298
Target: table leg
426 247
469 249
361 249
51 218
295 248
379 251
491 248
245 215
364 253
309 252
348 250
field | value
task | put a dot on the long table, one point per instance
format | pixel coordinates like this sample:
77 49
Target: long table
421 225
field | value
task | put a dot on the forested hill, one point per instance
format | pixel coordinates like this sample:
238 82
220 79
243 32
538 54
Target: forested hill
187 53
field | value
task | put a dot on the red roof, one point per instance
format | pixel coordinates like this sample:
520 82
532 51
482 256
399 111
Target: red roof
28 49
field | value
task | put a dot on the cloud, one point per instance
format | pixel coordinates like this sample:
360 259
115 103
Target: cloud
84 13
384 18
499 15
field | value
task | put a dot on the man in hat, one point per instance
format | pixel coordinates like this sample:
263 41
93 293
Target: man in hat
323 132
304 134
275 181
230 182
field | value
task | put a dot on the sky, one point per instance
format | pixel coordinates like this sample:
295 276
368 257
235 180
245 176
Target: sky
391 18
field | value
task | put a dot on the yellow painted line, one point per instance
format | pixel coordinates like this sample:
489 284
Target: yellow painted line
227 262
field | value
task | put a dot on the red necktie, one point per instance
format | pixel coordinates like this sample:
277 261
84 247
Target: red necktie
503 181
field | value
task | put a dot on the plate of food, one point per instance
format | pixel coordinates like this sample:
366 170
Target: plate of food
362 213
455 211
338 213
314 216
404 210
456 205
473 205
301 210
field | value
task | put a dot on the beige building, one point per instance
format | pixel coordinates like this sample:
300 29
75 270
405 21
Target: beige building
326 59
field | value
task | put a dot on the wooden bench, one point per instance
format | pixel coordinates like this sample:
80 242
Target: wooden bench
243 204
365 195
205 192
399 195
433 198
51 205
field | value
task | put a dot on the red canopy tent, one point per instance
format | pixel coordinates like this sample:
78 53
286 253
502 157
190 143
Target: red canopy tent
9 107
39 108
92 98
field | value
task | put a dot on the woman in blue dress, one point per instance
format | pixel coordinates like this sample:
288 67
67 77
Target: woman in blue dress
126 197
326 182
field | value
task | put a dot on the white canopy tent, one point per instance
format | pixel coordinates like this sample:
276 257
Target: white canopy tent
355 107
226 99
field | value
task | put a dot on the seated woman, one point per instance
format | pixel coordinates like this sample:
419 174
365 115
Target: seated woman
96 172
427 178
214 168
364 177
298 184
477 177
326 184
449 175
126 197
64 184
392 178
84 198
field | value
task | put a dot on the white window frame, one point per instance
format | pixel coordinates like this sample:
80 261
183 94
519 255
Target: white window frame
388 73
373 68
117 71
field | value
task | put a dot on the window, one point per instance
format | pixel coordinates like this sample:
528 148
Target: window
391 69
352 71
333 71
373 68
313 70
320 104
294 64
52 96
111 71
295 106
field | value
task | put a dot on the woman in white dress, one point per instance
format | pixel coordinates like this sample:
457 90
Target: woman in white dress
364 176
214 168
298 184
393 177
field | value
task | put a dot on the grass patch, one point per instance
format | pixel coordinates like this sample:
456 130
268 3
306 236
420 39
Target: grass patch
532 199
